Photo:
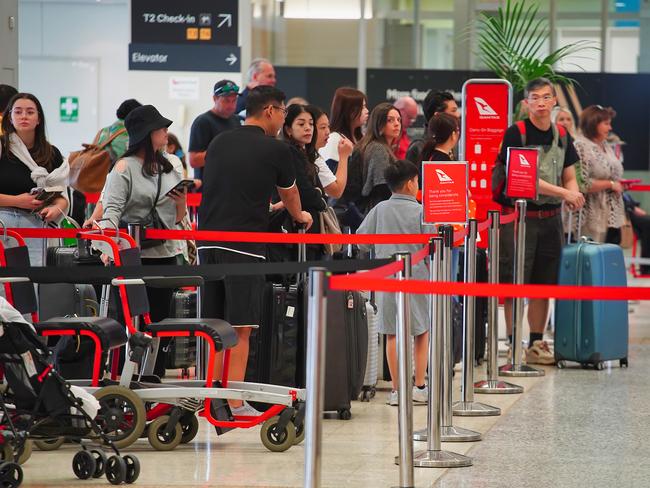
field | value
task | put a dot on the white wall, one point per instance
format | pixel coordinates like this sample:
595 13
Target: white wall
90 31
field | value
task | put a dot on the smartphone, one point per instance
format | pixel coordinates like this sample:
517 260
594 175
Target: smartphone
182 185
46 195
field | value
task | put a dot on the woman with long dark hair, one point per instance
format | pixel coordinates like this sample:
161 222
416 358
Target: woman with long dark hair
443 132
348 115
298 132
28 161
141 185
332 183
376 153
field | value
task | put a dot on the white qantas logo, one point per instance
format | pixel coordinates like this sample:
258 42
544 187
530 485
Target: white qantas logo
443 177
483 107
523 161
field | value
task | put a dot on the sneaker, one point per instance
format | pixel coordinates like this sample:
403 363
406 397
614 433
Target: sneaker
540 353
420 395
245 411
392 399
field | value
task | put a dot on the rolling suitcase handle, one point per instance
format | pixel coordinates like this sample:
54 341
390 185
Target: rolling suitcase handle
570 224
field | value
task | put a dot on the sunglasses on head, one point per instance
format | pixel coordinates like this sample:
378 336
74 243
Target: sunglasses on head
227 89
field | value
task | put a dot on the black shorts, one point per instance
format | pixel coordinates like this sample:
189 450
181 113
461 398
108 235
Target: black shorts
544 241
235 299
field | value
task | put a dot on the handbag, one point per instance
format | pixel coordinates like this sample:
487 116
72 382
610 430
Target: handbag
329 224
152 221
90 166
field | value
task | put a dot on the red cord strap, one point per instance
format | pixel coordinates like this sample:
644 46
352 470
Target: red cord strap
360 282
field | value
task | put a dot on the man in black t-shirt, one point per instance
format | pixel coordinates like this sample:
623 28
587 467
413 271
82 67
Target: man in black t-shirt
544 235
208 125
243 168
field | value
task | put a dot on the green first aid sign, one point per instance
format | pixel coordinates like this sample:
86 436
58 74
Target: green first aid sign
69 109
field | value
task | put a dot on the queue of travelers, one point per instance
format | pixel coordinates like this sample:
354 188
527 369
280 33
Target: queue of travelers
290 163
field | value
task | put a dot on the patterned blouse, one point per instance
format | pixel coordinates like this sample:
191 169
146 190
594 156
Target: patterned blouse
598 162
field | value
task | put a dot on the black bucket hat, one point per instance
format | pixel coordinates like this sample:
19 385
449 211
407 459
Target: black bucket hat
142 121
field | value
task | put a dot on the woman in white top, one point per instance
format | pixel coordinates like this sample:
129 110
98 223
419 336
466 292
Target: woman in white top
333 184
599 175
563 116
349 113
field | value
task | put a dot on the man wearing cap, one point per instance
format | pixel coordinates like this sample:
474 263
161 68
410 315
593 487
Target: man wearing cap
220 118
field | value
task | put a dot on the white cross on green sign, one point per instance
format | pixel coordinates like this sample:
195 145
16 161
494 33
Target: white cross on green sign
69 109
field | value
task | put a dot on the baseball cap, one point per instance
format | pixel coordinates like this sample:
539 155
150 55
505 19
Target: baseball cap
225 87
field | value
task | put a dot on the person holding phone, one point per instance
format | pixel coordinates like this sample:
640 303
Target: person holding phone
137 187
28 161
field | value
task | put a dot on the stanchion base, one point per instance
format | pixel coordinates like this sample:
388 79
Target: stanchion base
458 434
420 435
497 386
474 409
440 459
519 370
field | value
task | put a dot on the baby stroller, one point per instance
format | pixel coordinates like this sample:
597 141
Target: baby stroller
38 404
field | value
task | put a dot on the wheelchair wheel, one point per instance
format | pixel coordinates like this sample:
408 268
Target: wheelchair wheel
275 438
190 427
49 444
122 416
161 441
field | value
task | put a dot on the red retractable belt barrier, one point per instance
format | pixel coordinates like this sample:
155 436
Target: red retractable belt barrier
359 282
639 188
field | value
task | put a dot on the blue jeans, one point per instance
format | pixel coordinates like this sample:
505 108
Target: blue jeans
15 217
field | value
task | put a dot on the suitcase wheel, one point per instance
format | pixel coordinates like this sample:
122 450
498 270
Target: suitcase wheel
623 363
345 414
561 364
599 366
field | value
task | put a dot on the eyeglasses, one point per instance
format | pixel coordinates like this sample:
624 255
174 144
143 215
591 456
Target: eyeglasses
30 112
227 89
284 110
545 98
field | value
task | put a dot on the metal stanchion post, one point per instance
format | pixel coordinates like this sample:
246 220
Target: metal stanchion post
405 381
316 325
467 406
434 456
492 384
515 367
201 345
449 433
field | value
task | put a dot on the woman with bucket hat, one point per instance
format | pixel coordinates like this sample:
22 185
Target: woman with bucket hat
140 190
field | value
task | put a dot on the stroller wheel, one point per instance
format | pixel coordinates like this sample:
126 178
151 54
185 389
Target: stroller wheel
122 416
49 444
159 439
300 434
11 475
84 465
115 470
275 438
100 462
132 468
190 426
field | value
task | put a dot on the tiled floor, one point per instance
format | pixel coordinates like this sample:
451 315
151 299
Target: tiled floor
570 428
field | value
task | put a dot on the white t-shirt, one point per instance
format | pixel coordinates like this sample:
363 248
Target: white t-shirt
331 149
325 174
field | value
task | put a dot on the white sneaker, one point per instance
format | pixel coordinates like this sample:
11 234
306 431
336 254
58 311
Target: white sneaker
420 395
393 399
245 411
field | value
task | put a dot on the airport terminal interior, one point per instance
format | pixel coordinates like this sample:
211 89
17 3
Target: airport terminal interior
109 73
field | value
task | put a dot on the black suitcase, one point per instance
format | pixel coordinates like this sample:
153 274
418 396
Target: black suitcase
181 351
274 348
480 308
346 350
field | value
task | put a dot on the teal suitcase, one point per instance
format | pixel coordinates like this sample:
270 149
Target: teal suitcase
591 331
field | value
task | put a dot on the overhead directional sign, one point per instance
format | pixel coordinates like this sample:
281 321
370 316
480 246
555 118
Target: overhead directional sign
179 57
184 22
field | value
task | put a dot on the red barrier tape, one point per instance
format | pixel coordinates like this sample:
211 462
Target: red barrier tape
639 188
360 282
92 197
194 199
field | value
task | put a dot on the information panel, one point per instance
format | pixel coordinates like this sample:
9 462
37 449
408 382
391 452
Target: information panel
521 173
444 192
188 22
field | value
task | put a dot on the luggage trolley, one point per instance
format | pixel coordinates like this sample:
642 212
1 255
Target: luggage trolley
281 423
